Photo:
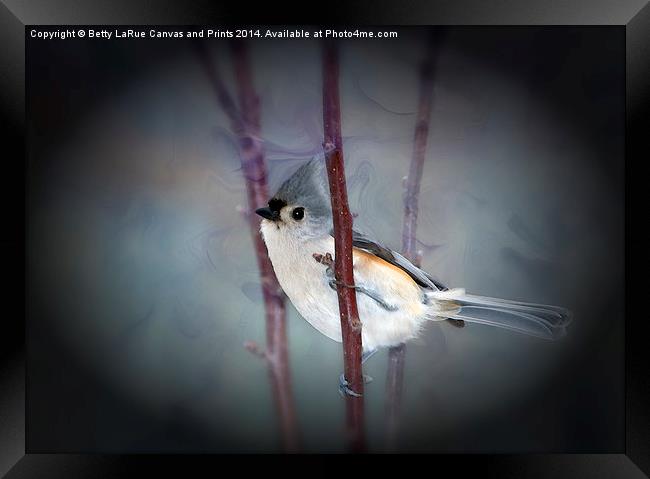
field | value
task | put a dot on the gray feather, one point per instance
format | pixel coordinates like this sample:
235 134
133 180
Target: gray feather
308 188
541 320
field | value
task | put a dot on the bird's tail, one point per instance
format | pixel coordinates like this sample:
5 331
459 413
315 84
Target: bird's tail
541 320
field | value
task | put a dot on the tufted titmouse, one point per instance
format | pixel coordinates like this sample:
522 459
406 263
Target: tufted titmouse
394 297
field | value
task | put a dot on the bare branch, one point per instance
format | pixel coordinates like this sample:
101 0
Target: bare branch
413 180
397 354
246 125
350 323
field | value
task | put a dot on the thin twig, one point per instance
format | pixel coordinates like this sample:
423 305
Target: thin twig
350 323
394 390
246 125
397 354
411 198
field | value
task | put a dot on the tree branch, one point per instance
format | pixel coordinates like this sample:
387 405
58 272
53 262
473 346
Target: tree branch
397 354
246 125
350 323
411 198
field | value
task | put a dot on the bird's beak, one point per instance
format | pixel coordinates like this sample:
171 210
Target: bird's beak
268 213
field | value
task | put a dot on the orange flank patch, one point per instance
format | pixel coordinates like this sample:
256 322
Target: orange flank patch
363 259
391 280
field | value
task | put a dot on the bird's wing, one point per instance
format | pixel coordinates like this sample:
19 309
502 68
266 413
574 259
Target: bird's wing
422 278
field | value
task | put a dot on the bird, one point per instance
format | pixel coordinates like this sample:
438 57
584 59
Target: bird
395 298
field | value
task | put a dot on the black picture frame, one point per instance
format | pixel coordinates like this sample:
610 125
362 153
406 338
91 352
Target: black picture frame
632 15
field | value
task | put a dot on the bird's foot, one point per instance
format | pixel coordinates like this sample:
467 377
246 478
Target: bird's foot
327 260
344 386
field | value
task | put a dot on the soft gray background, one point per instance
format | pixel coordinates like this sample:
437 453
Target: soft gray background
144 286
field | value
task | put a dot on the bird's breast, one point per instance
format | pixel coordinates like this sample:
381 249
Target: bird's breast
304 281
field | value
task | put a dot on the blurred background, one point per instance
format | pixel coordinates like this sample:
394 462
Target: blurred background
143 285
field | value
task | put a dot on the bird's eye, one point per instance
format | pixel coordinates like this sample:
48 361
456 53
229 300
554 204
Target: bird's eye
298 213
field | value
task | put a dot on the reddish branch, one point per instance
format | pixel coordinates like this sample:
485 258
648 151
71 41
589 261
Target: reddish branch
394 388
350 323
411 206
245 123
396 355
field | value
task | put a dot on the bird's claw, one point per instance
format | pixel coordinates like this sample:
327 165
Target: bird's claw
344 389
325 259
328 261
